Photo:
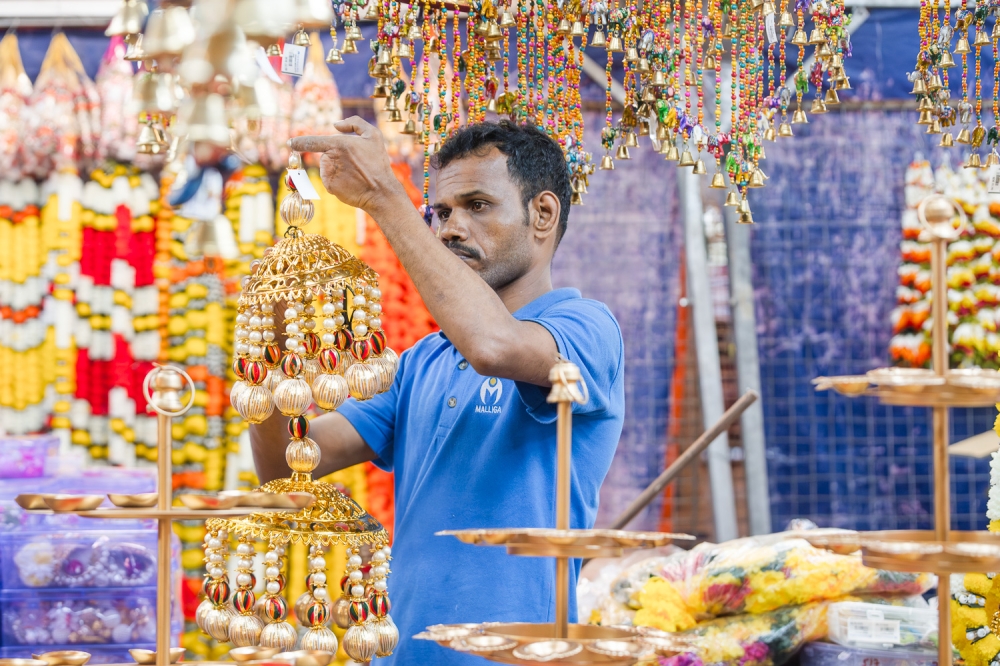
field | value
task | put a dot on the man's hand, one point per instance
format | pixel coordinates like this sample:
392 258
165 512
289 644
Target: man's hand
355 166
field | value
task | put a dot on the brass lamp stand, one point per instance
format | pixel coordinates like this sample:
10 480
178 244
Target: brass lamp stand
559 642
940 551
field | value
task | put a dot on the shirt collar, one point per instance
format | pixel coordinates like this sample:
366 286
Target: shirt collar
540 304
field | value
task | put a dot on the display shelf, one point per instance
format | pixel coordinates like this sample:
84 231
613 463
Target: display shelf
915 551
543 542
175 513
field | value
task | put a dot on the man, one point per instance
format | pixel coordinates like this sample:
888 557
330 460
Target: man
466 427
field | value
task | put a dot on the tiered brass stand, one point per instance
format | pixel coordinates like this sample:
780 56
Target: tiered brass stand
559 642
940 551
168 384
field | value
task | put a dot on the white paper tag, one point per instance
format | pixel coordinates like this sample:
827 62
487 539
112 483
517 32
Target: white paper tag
293 59
772 32
697 134
865 630
302 183
265 65
993 183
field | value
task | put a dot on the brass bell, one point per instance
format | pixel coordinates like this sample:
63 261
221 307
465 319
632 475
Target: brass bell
982 39
564 27
494 54
727 31
354 33
800 38
947 141
301 38
404 50
756 4
816 37
824 51
756 178
576 199
384 57
992 160
631 141
643 127
380 92
495 34
599 39
799 117
710 63
129 19
925 104
836 61
786 20
648 94
934 83
659 80
390 103
491 105
699 168
768 9
414 33
134 51
996 32
818 106
769 133
964 136
662 133
785 130
395 115
146 141
672 154
843 84
962 47
664 147
643 66
832 97
946 61
607 164
687 159
925 118
745 217
718 181
349 46
934 127
973 162
732 199
410 127
578 30
622 152
334 57
432 148
507 20
744 207
274 50
762 156
615 44
631 54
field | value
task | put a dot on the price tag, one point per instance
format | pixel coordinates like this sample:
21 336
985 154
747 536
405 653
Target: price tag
772 32
293 59
993 184
697 134
864 630
302 183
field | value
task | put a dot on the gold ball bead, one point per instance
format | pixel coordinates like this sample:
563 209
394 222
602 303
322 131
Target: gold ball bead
274 377
386 635
204 608
217 623
254 404
245 630
342 612
362 381
360 643
292 397
329 391
319 638
310 370
279 635
302 455
296 211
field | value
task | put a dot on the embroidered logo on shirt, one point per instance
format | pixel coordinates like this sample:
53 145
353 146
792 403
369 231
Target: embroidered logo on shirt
489 394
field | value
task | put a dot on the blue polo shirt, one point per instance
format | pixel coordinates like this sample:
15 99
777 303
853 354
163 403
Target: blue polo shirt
473 452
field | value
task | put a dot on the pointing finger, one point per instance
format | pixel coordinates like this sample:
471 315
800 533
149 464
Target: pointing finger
313 144
354 125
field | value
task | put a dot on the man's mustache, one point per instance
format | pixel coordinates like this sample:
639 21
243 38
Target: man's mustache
458 248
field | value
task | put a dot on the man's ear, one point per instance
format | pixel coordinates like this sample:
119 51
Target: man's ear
545 210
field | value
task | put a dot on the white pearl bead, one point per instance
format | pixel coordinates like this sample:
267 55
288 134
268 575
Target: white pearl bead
242 319
244 549
318 563
267 307
355 576
243 579
244 563
299 307
359 301
319 578
329 339
255 322
321 594
280 550
255 350
329 308
375 322
337 294
309 325
358 591
255 336
360 330
291 329
267 321
380 571
359 316
354 561
380 585
268 335
309 311
241 348
270 557
273 587
375 293
272 572
290 313
214 543
216 572
338 321
375 308
240 332
215 558
291 344
223 535
329 323
387 550
378 557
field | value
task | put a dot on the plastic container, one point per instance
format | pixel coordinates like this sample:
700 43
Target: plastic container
78 559
28 456
876 626
77 618
99 654
828 654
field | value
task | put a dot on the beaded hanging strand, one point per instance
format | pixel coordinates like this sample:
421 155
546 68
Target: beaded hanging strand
425 100
456 78
522 92
443 98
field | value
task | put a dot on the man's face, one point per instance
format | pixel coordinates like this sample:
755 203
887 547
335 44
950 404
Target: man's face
482 220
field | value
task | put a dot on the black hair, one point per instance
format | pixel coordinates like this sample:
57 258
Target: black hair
535 161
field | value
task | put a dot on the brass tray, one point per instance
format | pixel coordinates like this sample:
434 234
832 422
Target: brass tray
546 542
176 513
916 551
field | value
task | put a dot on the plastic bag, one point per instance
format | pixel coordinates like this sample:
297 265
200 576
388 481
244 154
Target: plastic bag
15 87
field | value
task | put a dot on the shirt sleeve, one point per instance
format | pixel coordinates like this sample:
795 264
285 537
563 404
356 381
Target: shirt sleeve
586 334
375 420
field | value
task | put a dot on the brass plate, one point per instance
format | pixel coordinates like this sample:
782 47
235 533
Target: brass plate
918 551
251 653
32 501
563 540
850 385
294 500
64 658
304 657
142 656
62 503
177 513
22 662
554 550
208 502
139 501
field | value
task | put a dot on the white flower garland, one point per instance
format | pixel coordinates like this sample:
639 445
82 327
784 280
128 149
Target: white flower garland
993 505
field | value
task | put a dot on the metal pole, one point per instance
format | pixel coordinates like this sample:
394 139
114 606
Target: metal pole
720 469
564 435
654 489
748 372
164 490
